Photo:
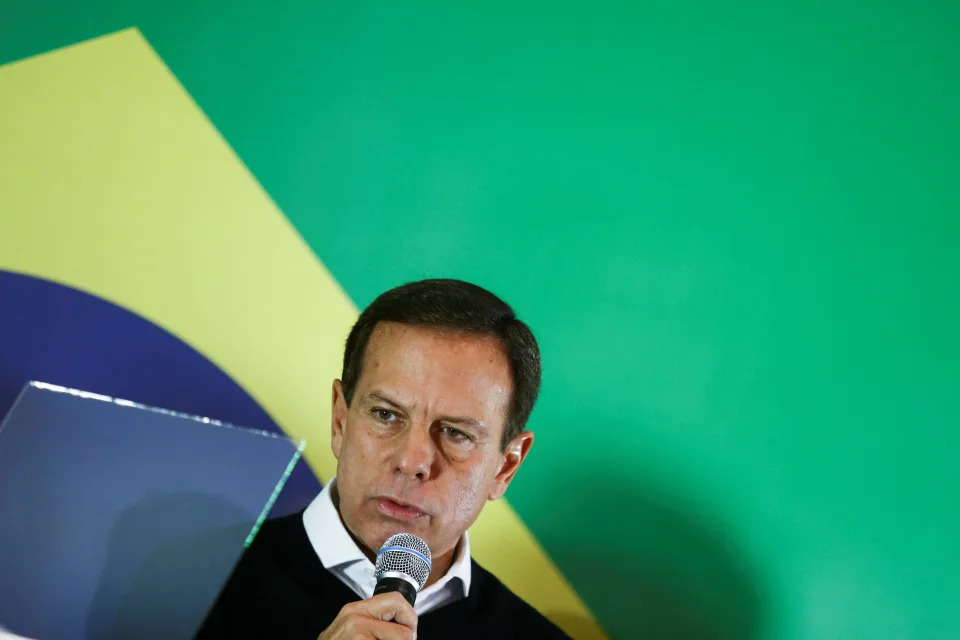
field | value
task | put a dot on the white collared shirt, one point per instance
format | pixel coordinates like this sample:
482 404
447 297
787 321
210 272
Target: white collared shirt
341 556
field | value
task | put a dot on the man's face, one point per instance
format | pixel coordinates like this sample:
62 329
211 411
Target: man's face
418 449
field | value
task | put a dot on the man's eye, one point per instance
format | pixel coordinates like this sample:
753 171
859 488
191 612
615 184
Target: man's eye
456 435
384 415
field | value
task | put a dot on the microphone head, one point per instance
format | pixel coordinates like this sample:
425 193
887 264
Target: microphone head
405 554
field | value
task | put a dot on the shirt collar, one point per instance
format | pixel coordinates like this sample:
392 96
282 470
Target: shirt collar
336 549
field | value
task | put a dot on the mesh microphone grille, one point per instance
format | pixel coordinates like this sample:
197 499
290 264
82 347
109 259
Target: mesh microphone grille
405 553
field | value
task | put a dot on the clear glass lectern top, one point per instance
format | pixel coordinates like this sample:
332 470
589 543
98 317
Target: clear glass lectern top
124 521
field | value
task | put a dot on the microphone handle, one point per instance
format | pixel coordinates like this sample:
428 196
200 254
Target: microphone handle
387 584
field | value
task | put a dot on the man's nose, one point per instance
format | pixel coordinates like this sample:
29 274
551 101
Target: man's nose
416 453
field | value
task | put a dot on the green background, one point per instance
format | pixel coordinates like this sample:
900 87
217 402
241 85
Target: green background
733 227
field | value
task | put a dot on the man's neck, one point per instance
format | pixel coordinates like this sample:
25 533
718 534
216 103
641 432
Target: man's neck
441 564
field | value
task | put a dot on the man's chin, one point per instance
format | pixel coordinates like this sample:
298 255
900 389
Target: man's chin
386 527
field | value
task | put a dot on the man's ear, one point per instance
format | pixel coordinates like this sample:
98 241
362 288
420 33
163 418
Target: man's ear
338 418
510 460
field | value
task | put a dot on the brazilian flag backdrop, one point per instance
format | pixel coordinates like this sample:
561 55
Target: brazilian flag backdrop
732 225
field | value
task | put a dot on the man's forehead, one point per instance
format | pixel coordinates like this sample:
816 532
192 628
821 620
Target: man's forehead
407 360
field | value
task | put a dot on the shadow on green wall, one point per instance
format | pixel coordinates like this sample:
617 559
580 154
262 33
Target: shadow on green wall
665 572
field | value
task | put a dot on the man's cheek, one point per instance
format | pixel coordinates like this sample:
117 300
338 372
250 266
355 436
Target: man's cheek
469 496
370 450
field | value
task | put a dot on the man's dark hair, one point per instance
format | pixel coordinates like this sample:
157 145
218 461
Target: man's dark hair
454 305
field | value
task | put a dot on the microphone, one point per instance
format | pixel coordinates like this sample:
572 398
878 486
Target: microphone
403 564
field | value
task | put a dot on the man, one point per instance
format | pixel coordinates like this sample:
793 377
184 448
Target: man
439 378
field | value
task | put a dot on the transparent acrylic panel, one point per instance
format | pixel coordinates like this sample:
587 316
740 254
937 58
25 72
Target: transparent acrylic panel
124 521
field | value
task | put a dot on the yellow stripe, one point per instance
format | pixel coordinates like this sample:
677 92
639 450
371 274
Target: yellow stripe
112 181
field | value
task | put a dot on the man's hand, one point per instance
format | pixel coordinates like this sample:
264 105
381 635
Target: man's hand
387 616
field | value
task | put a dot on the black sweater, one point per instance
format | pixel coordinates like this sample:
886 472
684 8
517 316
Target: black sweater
280 590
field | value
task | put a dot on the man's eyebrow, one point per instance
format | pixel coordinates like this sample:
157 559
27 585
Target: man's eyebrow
382 397
466 421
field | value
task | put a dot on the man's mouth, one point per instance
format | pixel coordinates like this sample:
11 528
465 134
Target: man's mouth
399 510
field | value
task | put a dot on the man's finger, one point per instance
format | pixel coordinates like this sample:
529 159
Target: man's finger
389 631
390 607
